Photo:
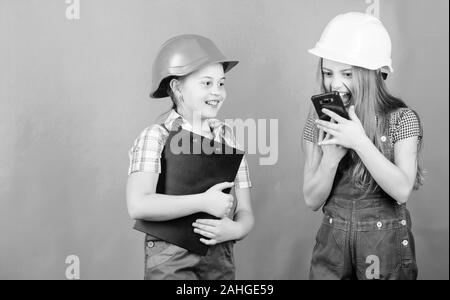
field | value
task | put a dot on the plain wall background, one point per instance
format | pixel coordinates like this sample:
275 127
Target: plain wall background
74 96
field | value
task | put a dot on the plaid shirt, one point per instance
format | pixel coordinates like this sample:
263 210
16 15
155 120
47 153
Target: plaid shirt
403 124
145 155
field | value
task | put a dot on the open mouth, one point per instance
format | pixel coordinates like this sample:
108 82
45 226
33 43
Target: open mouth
212 102
346 98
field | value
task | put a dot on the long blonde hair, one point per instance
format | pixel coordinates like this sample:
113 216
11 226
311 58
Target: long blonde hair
373 105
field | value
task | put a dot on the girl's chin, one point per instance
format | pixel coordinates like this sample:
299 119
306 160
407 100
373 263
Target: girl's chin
210 111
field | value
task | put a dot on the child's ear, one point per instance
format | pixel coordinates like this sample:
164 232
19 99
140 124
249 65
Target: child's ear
175 86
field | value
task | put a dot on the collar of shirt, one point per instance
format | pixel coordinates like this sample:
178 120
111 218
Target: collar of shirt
219 129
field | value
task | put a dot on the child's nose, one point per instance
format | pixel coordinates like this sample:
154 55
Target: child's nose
215 90
336 84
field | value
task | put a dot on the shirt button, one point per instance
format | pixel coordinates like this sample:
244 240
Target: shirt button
379 224
383 138
150 244
403 222
405 243
331 221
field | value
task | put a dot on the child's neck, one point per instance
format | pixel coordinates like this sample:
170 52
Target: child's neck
198 123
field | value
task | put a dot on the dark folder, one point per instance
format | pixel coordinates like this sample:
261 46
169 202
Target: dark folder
188 173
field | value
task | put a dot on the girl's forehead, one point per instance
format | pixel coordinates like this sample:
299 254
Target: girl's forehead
335 65
213 70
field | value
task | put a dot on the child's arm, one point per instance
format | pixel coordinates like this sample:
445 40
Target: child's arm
397 179
143 202
319 171
225 229
244 213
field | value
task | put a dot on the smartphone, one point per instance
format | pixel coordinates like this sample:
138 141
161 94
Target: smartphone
331 101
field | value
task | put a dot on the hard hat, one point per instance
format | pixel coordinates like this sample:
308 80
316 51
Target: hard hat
182 55
356 39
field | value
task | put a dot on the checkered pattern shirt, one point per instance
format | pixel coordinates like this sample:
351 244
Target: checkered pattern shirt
145 155
403 124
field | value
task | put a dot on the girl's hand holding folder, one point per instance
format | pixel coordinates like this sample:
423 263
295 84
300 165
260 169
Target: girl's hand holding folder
216 231
216 202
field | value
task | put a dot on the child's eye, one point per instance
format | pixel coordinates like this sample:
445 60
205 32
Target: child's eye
221 83
326 74
206 83
348 75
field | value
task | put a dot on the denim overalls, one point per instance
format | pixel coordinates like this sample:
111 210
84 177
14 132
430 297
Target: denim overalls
363 236
170 262
166 261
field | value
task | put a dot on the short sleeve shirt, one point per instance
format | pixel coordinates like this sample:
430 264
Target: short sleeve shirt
145 155
403 124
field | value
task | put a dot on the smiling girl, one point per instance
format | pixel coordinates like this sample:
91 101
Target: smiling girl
361 171
191 70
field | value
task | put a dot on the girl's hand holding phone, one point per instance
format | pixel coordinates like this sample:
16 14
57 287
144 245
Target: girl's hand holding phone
331 154
345 133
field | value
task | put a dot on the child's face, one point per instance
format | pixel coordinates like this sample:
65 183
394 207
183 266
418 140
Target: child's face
204 91
338 77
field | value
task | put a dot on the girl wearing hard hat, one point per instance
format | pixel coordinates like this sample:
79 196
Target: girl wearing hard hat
361 170
190 70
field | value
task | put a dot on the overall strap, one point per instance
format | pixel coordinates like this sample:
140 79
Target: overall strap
222 135
176 126
165 128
